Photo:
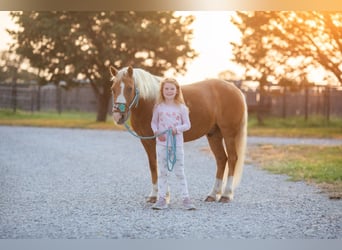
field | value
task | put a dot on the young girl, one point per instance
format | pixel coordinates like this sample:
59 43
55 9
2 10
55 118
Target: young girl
170 112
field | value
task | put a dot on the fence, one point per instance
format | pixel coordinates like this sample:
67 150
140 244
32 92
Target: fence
278 101
45 98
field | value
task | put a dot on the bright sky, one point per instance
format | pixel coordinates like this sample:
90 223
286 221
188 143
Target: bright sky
212 33
5 23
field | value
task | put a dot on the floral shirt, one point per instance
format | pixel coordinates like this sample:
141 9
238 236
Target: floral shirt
171 116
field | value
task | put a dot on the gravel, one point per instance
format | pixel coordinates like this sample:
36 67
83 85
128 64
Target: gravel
77 184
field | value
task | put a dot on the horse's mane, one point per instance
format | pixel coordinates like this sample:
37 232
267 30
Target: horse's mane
147 83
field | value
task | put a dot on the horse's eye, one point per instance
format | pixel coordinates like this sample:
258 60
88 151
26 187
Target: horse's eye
129 89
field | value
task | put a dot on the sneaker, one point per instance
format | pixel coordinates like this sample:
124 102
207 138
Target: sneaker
160 204
188 205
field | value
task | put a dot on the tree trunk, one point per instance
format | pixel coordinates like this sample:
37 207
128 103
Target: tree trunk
102 106
261 104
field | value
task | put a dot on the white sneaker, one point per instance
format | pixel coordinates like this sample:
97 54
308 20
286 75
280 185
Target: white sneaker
160 204
188 205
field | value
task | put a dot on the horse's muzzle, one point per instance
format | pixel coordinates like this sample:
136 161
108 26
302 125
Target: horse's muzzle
119 118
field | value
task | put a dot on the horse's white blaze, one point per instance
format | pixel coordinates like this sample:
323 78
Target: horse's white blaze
217 189
121 98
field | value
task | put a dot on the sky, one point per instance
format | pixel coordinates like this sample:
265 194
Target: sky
212 33
5 22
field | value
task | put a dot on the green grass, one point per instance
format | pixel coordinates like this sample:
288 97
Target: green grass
54 119
321 165
289 127
315 126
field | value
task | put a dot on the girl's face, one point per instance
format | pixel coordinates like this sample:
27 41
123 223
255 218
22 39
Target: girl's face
169 91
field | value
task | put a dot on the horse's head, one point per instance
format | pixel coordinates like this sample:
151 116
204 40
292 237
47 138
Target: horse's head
125 93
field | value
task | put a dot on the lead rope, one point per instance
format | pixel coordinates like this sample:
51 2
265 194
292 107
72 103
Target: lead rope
170 149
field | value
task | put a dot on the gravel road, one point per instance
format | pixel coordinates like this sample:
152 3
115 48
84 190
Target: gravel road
73 183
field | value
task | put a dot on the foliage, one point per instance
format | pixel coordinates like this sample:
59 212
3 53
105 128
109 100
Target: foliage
72 46
278 43
12 70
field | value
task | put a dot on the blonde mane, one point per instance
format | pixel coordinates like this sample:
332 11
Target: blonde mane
147 83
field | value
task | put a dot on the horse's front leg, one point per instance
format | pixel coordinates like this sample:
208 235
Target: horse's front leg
150 148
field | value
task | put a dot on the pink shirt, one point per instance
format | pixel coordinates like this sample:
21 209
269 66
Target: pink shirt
171 116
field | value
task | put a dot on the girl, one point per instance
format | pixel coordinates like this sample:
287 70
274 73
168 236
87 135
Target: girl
170 112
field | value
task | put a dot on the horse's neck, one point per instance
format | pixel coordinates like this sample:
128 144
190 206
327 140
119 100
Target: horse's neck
143 109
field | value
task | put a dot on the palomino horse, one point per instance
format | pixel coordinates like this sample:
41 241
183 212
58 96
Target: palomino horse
218 110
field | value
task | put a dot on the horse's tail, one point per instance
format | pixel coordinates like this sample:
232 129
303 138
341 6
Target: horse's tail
240 144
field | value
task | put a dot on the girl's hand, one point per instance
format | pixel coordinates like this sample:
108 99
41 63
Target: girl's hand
174 131
162 137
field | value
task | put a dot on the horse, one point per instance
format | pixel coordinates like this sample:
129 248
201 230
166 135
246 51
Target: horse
217 110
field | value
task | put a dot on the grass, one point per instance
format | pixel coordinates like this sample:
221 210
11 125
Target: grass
53 119
315 126
319 165
289 127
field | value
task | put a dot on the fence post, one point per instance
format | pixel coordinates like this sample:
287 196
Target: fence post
59 98
327 103
284 102
38 97
14 94
306 104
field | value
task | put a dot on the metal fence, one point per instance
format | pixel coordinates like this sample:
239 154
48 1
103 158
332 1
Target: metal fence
46 98
278 101
311 100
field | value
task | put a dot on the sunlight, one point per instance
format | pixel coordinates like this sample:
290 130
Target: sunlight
5 23
212 34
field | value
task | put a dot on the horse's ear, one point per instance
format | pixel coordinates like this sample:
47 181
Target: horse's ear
130 71
113 71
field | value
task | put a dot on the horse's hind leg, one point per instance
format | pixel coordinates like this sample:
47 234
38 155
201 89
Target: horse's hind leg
216 145
228 192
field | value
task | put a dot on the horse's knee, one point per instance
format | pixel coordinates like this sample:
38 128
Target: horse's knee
232 158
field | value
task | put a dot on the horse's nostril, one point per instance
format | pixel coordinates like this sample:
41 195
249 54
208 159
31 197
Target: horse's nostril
117 116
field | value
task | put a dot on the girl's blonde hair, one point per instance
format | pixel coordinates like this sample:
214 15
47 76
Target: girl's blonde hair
179 95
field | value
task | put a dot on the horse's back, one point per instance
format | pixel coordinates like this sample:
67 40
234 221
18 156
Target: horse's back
213 103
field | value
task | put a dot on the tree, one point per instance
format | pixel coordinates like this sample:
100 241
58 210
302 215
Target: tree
289 42
12 66
252 52
70 46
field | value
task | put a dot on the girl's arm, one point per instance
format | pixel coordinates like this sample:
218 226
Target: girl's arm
186 125
154 124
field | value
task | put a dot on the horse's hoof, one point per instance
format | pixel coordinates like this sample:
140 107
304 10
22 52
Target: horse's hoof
224 199
152 199
210 199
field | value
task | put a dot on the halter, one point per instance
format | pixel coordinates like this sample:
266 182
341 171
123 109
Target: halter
121 107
